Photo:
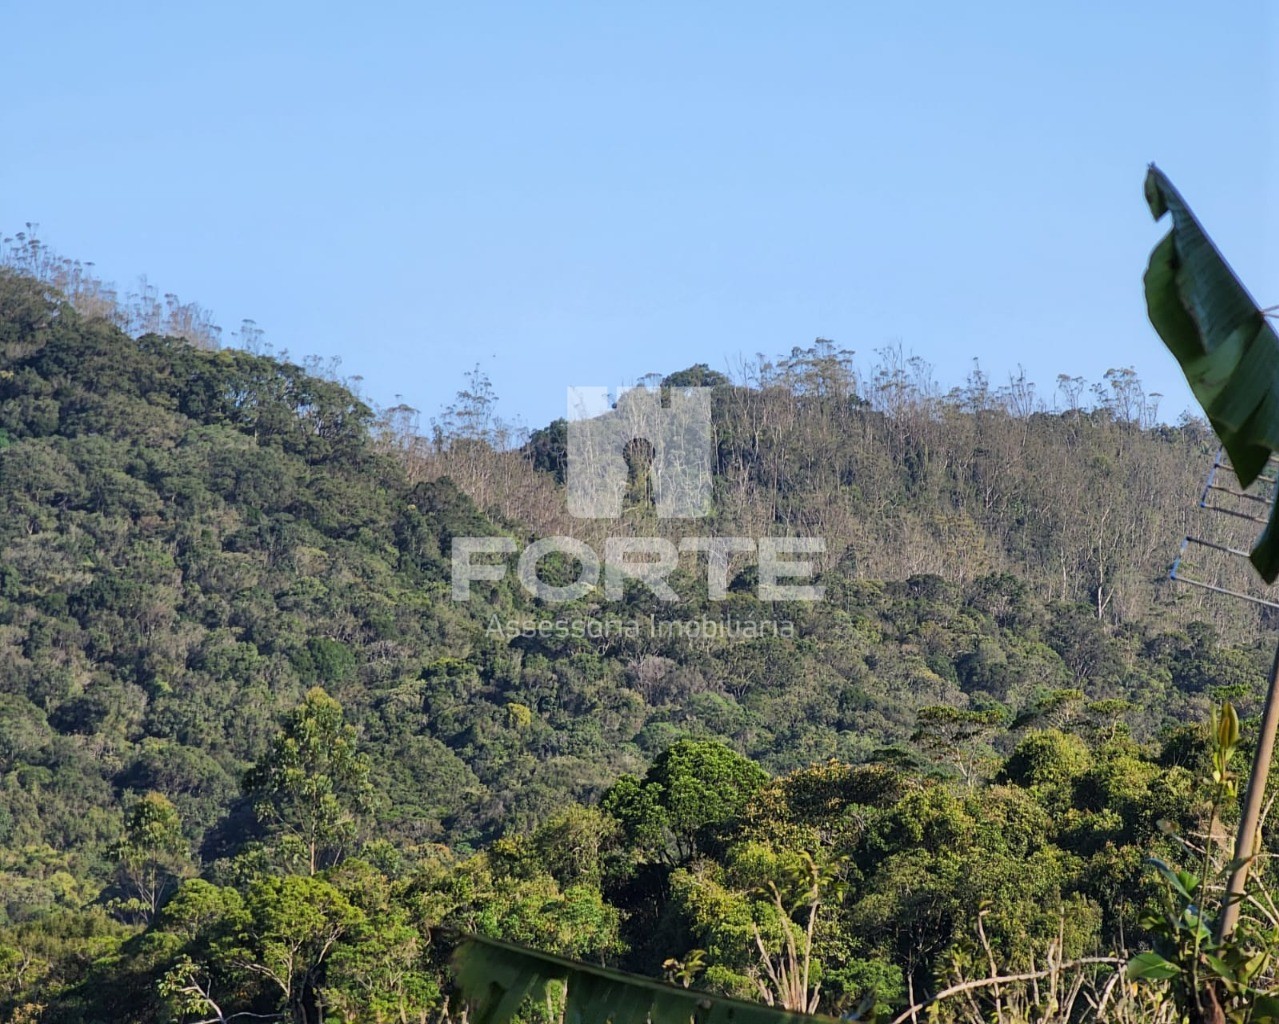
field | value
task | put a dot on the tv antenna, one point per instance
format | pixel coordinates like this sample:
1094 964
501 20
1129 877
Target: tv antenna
1217 559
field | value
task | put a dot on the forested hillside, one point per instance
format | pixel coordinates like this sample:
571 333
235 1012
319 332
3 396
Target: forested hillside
240 714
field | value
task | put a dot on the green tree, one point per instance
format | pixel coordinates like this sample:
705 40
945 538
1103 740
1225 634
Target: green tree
380 971
957 736
693 789
312 788
202 926
293 926
755 922
378 974
151 857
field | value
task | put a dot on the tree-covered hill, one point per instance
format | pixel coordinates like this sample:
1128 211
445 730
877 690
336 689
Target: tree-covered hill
195 539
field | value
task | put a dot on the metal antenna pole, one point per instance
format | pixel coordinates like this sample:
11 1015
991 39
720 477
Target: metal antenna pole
1254 798
1241 508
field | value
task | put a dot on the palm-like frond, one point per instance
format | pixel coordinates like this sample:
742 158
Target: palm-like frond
496 978
1223 341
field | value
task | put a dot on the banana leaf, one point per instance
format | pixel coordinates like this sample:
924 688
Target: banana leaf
496 978
1225 345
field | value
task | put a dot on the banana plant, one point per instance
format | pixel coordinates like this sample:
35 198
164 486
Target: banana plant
1229 353
1224 343
498 978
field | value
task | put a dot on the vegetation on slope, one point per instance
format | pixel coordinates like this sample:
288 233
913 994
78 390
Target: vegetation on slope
240 716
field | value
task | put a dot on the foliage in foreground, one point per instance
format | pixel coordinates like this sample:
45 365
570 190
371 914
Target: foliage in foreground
848 889
499 979
1226 347
1207 975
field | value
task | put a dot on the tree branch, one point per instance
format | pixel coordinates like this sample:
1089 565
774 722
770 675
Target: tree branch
968 986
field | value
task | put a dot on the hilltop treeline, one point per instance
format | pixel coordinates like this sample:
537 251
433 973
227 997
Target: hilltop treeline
1085 504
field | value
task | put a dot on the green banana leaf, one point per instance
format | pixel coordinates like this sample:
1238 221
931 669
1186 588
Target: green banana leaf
496 978
1223 341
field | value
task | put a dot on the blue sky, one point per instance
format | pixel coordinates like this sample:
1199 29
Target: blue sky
578 194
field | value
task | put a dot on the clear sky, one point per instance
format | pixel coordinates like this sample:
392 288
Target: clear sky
585 193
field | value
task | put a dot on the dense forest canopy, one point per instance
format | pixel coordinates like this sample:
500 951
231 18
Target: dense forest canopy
253 758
